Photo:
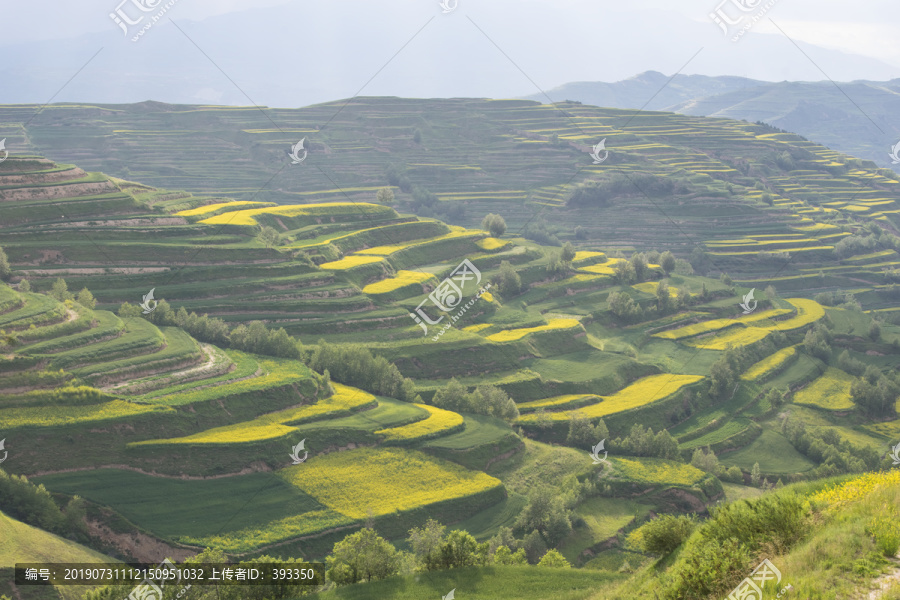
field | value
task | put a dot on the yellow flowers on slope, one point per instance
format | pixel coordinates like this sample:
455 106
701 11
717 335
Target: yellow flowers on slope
438 420
509 335
402 279
384 480
640 393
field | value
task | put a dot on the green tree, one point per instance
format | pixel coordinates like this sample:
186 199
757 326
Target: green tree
534 546
459 549
663 297
874 331
568 253
384 195
453 396
362 556
269 236
128 310
547 513
555 560
60 290
754 475
667 262
24 286
5 270
639 263
86 299
663 534
508 280
493 401
734 475
417 136
707 462
504 556
495 224
582 433
426 542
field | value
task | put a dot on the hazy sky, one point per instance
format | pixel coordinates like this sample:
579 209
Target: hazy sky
290 53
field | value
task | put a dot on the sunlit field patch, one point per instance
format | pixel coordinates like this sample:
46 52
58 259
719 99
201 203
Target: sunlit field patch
733 337
558 402
348 262
831 391
655 471
40 416
277 424
402 279
246 217
379 481
856 489
649 287
509 335
640 393
491 243
717 324
438 420
770 364
201 210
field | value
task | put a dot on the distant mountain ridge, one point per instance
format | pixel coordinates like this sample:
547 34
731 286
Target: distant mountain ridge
857 117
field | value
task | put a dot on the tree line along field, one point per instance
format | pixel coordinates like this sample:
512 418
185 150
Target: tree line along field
587 342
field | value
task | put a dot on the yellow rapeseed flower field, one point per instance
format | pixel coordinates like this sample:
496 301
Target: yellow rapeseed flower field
557 401
246 217
277 424
808 312
769 364
738 336
402 279
640 393
830 391
273 532
649 287
491 243
478 327
41 416
656 471
856 489
349 262
384 480
717 324
437 420
509 335
200 210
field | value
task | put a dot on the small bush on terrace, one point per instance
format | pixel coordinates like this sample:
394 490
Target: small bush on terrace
663 534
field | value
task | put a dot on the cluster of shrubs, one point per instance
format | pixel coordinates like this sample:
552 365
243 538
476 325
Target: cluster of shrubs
366 556
32 504
485 399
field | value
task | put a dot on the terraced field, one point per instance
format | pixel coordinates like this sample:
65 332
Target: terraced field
195 426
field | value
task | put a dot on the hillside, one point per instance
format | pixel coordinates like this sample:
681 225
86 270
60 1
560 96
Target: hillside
521 355
851 117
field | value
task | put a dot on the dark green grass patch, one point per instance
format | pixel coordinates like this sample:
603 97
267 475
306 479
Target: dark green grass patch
773 453
172 508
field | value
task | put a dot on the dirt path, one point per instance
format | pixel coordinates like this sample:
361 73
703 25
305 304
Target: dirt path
256 468
210 361
886 582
